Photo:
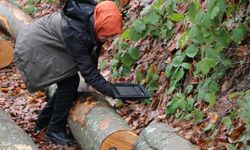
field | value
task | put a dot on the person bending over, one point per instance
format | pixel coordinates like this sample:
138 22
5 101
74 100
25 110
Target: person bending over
55 47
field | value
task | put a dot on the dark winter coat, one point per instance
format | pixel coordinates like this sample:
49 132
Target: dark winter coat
59 45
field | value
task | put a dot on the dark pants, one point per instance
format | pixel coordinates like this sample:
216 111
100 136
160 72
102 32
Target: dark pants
54 114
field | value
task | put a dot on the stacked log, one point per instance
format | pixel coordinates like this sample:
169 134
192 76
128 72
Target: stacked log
12 137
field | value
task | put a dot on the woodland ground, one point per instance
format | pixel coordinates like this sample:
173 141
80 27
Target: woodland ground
25 107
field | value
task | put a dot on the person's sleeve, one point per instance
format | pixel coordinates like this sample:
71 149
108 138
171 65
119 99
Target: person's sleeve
88 67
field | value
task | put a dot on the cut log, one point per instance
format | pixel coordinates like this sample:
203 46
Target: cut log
12 137
12 19
6 53
96 126
161 137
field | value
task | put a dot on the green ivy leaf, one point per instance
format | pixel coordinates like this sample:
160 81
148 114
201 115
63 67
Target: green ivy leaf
205 65
134 53
153 18
211 4
191 51
138 76
29 9
130 34
127 60
115 74
178 101
168 70
237 35
186 65
123 45
183 40
226 62
172 87
177 61
189 89
193 10
209 127
215 12
176 17
169 25
170 90
227 122
103 64
124 70
153 85
158 3
139 26
114 63
197 115
212 53
206 21
178 75
210 98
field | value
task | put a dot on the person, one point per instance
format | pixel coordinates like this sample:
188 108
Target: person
55 47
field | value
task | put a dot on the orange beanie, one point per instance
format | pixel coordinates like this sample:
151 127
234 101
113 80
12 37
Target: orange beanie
107 19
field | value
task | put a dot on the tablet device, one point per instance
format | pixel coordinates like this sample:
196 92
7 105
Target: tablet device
129 91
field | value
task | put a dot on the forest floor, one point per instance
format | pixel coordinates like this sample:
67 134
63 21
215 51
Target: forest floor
25 107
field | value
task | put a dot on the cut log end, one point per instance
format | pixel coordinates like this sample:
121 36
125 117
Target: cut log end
120 140
6 53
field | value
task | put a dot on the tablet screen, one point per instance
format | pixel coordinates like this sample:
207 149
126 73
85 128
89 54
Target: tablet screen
129 90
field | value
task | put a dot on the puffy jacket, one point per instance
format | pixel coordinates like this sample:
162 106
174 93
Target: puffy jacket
59 45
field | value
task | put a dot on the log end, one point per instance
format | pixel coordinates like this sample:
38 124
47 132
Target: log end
6 53
119 140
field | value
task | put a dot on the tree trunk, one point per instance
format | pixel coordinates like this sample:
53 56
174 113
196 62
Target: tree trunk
161 137
12 137
96 126
12 19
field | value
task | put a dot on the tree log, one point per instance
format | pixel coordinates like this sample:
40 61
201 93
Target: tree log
12 137
12 19
96 126
6 53
161 137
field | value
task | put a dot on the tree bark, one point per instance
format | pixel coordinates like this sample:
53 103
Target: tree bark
161 137
12 19
12 137
96 126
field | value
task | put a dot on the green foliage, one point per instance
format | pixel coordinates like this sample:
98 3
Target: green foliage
238 34
227 122
134 53
30 9
176 17
243 113
197 115
192 50
201 45
123 60
151 79
103 65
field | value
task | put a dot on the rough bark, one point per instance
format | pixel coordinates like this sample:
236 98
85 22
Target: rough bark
12 137
95 125
12 19
158 136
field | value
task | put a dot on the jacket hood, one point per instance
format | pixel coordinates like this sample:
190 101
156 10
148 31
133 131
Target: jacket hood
79 9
